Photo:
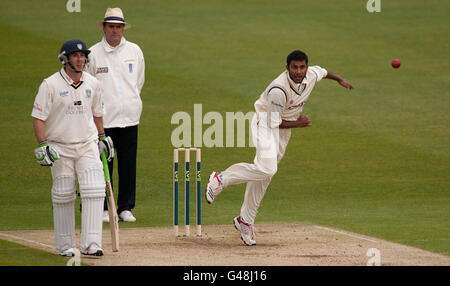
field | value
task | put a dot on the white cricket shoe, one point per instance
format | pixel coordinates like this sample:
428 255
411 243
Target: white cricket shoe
247 231
93 250
106 216
69 252
126 216
214 187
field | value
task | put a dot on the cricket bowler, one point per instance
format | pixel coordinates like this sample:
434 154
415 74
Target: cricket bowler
278 110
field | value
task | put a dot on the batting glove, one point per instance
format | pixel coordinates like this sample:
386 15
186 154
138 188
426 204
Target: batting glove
45 154
105 143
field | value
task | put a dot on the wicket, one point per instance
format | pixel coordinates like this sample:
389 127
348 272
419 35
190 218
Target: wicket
187 162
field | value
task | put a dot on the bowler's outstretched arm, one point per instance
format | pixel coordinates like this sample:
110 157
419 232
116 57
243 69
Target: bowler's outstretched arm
339 79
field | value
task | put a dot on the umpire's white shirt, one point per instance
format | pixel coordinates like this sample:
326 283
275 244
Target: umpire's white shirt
68 108
121 70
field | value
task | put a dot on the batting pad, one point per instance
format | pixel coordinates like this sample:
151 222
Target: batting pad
92 192
63 198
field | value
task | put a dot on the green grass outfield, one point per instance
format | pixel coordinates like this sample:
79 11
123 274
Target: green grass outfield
376 160
13 254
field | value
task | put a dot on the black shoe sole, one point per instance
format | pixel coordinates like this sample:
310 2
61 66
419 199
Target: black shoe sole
98 253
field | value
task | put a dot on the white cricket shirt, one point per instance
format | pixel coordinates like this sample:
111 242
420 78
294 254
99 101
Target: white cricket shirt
283 99
68 108
121 70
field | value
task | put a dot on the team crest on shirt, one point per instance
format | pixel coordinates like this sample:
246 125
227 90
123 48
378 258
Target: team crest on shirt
88 93
63 93
302 87
102 70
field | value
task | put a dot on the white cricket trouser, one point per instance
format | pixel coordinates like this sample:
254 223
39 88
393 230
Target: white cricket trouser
270 144
82 162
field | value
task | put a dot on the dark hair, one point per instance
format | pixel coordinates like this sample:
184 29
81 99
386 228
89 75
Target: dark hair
297 55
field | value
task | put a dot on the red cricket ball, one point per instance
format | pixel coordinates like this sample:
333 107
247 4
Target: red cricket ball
396 63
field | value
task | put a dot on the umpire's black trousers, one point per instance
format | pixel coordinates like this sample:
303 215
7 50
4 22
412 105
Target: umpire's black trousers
125 144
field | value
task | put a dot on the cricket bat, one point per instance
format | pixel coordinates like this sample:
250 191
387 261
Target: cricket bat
113 217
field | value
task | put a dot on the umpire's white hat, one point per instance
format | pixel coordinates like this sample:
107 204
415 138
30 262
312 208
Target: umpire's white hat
113 15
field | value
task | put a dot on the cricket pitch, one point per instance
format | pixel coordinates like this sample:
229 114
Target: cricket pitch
284 244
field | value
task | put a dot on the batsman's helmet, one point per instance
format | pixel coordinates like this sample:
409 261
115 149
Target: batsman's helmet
72 46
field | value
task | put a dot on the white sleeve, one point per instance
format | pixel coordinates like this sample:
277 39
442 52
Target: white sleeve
97 103
141 71
42 103
276 101
320 72
90 67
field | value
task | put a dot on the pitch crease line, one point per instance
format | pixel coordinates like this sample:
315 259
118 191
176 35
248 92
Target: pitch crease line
24 239
345 233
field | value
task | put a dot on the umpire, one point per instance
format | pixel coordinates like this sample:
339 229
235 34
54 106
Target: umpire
119 65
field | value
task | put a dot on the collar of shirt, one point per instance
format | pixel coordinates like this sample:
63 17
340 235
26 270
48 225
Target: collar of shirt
108 48
297 87
69 80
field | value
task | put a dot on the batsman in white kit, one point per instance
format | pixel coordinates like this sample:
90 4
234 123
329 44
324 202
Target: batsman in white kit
278 110
68 124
